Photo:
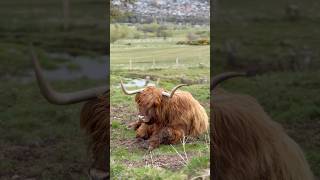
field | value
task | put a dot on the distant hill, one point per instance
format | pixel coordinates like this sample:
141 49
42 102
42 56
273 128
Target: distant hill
192 11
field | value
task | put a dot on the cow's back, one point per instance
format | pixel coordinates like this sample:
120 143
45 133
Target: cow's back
187 112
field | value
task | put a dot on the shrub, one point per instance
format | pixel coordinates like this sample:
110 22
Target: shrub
118 32
149 28
196 42
192 37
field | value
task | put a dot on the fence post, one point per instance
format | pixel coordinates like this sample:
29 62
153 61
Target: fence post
177 61
130 64
154 63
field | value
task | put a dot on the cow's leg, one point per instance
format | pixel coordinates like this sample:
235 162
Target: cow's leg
154 140
166 135
144 131
171 136
136 124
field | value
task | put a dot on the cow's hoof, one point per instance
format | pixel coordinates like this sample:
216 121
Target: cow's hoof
144 144
95 174
133 125
150 148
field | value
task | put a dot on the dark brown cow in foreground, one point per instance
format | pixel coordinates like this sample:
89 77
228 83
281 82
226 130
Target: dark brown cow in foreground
167 117
94 118
246 144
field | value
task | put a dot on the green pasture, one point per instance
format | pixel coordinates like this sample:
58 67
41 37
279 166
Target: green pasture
151 52
130 160
157 57
39 140
23 22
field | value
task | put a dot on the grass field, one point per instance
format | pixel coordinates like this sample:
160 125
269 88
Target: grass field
128 160
156 57
164 56
42 23
159 52
39 140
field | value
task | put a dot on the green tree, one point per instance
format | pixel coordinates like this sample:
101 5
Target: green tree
118 32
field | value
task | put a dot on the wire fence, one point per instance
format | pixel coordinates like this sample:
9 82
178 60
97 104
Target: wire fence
162 62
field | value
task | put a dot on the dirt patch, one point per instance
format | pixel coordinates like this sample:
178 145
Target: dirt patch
131 144
172 162
30 161
123 114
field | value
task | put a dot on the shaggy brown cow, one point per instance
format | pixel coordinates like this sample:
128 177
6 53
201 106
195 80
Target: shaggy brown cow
94 118
246 144
167 117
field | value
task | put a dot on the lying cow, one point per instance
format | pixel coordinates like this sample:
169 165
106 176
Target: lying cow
167 117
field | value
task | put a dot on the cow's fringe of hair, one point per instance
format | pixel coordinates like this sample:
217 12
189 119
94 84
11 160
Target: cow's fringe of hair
94 120
248 145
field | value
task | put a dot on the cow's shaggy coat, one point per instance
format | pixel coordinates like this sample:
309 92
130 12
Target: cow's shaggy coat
94 119
248 145
170 119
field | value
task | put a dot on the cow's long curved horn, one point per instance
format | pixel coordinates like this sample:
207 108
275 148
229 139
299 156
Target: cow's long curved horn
224 76
127 92
170 95
55 97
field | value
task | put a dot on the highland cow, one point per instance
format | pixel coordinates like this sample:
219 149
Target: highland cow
246 144
94 118
167 117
